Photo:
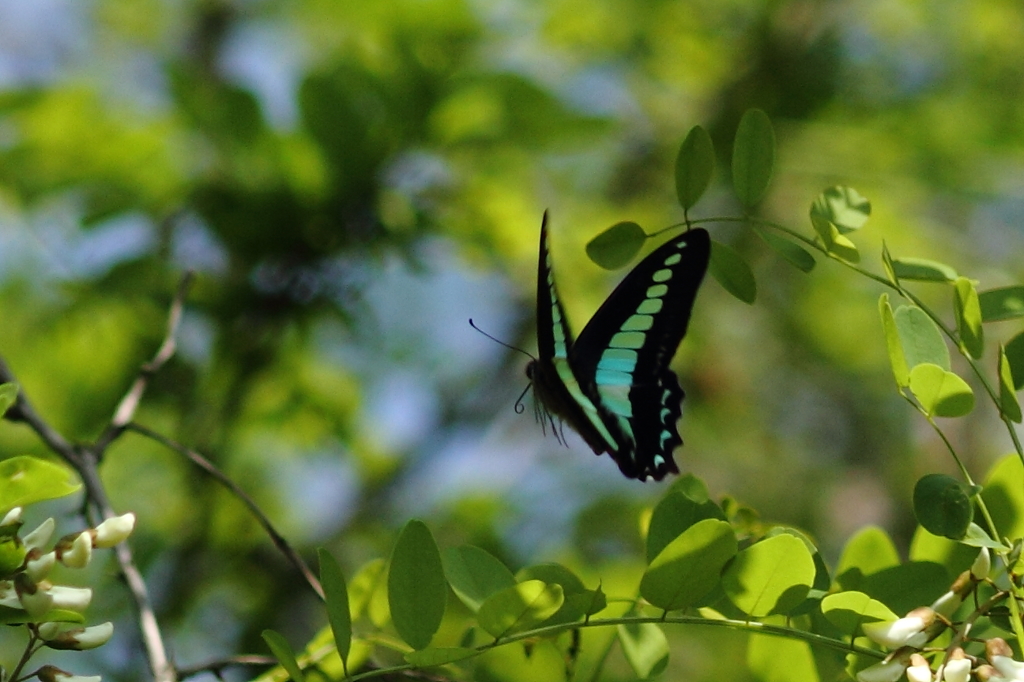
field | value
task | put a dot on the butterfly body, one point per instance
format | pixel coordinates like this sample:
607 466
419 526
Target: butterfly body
612 384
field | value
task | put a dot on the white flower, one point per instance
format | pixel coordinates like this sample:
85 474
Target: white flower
71 598
78 639
50 673
36 602
113 530
39 568
11 518
886 671
78 555
957 670
907 631
41 535
919 670
948 603
49 630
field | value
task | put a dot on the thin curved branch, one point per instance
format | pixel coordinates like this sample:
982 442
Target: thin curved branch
222 478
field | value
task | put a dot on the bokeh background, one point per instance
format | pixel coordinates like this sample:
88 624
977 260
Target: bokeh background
352 181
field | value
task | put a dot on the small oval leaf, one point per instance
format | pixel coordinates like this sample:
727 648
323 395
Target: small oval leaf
417 590
753 157
897 360
941 393
770 577
920 337
25 480
283 653
1008 403
434 656
674 514
842 207
1006 303
694 164
519 607
8 396
474 574
1015 358
336 596
616 246
645 647
968 317
690 566
797 256
732 272
923 270
849 610
943 506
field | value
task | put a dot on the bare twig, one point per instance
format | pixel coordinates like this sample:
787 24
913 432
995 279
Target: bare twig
218 666
208 466
126 409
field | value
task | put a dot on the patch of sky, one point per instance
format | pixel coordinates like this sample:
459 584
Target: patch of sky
39 39
266 59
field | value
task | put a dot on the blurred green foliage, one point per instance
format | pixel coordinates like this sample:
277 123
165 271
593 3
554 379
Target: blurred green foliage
353 180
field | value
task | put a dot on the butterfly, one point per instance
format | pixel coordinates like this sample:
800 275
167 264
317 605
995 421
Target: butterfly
612 384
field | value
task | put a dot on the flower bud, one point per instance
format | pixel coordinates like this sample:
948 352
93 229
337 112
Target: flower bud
907 631
50 673
71 598
11 518
919 670
113 530
1000 655
41 535
80 639
35 600
39 567
948 603
982 565
957 668
79 553
886 671
48 630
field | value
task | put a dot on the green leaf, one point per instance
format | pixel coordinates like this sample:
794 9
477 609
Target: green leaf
908 585
1006 303
849 610
753 157
1008 404
1015 357
941 393
870 550
8 396
887 265
834 242
674 514
690 566
417 590
434 656
766 654
923 270
842 207
1004 496
645 647
968 317
283 653
336 596
25 480
943 506
367 593
920 337
732 272
577 598
474 574
791 251
897 360
519 607
771 576
617 245
694 164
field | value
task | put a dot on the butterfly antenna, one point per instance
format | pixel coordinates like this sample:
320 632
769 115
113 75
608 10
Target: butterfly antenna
520 407
501 343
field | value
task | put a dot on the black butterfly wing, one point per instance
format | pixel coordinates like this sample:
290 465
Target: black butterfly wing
554 381
622 356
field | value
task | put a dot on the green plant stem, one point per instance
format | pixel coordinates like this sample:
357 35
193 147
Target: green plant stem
748 626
